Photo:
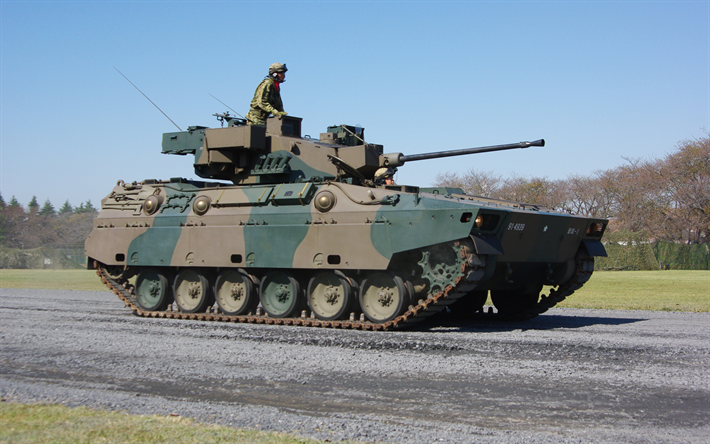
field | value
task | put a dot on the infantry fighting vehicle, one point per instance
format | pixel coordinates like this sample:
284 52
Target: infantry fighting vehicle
301 234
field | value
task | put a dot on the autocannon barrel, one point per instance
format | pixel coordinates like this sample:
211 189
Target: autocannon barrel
463 151
397 159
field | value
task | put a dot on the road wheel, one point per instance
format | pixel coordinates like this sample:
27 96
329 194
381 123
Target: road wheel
234 292
152 290
330 295
280 294
383 297
192 291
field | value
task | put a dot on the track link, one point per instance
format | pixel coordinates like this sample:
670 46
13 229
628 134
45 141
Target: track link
471 271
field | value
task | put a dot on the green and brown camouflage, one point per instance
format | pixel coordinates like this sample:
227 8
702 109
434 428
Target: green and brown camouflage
266 101
301 225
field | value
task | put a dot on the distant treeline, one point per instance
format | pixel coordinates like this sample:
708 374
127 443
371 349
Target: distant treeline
44 226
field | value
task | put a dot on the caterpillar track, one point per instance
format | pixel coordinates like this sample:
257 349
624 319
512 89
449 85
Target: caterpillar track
470 270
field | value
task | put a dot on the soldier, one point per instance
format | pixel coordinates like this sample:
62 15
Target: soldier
385 176
267 98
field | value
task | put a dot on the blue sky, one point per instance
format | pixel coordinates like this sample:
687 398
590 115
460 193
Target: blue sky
600 81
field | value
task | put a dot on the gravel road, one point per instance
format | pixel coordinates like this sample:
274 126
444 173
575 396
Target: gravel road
591 376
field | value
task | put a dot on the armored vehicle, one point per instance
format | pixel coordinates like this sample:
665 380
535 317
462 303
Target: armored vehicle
300 232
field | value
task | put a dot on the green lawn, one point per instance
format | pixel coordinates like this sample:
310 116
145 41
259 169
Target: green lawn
38 423
671 290
51 279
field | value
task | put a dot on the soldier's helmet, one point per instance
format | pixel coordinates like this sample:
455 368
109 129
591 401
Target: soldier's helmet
277 67
383 173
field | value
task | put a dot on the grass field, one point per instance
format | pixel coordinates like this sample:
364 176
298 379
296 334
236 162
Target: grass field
51 279
671 290
615 290
40 423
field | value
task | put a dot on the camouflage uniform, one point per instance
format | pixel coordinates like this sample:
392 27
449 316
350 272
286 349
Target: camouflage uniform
266 101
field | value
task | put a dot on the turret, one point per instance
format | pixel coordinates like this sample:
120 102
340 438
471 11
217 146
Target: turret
277 153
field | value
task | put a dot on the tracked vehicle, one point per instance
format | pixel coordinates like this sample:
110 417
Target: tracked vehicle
298 232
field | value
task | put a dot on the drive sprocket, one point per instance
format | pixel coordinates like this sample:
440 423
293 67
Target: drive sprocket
441 264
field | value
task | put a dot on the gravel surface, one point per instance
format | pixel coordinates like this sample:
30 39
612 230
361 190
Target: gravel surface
591 376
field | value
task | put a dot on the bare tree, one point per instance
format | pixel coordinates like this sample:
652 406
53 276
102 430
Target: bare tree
587 196
685 178
73 229
535 190
474 182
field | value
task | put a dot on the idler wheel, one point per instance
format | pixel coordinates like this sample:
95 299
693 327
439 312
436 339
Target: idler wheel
234 292
330 295
383 297
152 290
192 291
279 294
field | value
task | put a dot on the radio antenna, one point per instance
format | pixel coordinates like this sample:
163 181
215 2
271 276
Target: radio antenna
227 106
171 120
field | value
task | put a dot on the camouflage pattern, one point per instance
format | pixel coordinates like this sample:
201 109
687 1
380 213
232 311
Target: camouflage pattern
277 67
306 215
266 101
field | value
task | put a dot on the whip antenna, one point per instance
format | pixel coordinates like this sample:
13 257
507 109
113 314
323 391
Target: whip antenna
227 106
171 120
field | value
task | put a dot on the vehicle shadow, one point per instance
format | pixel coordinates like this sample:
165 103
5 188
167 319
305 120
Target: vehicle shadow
443 323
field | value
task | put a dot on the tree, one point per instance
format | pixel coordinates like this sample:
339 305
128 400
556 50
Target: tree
47 209
74 228
474 182
587 195
14 217
685 179
33 206
3 222
66 208
24 230
85 207
536 190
